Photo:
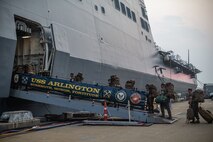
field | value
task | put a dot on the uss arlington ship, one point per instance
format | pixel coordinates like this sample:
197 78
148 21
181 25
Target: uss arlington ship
97 38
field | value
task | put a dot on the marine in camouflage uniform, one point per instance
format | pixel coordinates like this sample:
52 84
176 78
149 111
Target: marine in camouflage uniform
150 99
167 90
194 103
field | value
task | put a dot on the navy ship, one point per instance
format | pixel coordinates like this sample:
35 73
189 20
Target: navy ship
97 38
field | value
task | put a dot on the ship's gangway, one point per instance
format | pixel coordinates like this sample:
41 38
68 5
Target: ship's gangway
85 105
84 97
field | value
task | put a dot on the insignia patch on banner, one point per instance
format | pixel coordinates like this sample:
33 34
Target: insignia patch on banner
120 96
24 80
16 78
135 98
107 94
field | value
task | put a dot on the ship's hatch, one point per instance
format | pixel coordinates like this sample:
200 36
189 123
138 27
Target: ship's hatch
34 49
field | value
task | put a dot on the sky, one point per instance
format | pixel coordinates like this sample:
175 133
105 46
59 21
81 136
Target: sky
182 25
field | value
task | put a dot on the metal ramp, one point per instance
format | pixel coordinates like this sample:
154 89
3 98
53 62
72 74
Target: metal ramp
85 105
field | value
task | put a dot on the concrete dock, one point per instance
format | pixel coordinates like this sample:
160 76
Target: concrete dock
177 132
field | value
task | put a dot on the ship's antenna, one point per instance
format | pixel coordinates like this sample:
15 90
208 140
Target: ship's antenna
188 57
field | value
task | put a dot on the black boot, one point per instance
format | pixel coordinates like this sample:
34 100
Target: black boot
193 121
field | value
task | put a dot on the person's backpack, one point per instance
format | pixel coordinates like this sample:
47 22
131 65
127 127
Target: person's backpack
170 90
198 95
160 99
190 114
153 90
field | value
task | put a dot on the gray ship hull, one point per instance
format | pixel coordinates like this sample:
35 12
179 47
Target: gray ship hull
99 73
73 36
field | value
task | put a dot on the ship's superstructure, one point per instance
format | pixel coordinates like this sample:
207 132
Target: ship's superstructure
98 38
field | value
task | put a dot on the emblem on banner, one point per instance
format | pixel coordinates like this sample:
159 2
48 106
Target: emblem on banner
135 98
24 80
107 94
120 96
16 78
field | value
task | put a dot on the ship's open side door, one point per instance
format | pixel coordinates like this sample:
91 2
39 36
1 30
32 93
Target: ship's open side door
35 47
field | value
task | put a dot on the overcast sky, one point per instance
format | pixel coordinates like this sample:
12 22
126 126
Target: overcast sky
180 25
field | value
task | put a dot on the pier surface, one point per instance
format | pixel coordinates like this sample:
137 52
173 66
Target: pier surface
177 132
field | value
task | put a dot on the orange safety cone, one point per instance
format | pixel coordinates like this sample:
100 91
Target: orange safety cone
105 111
